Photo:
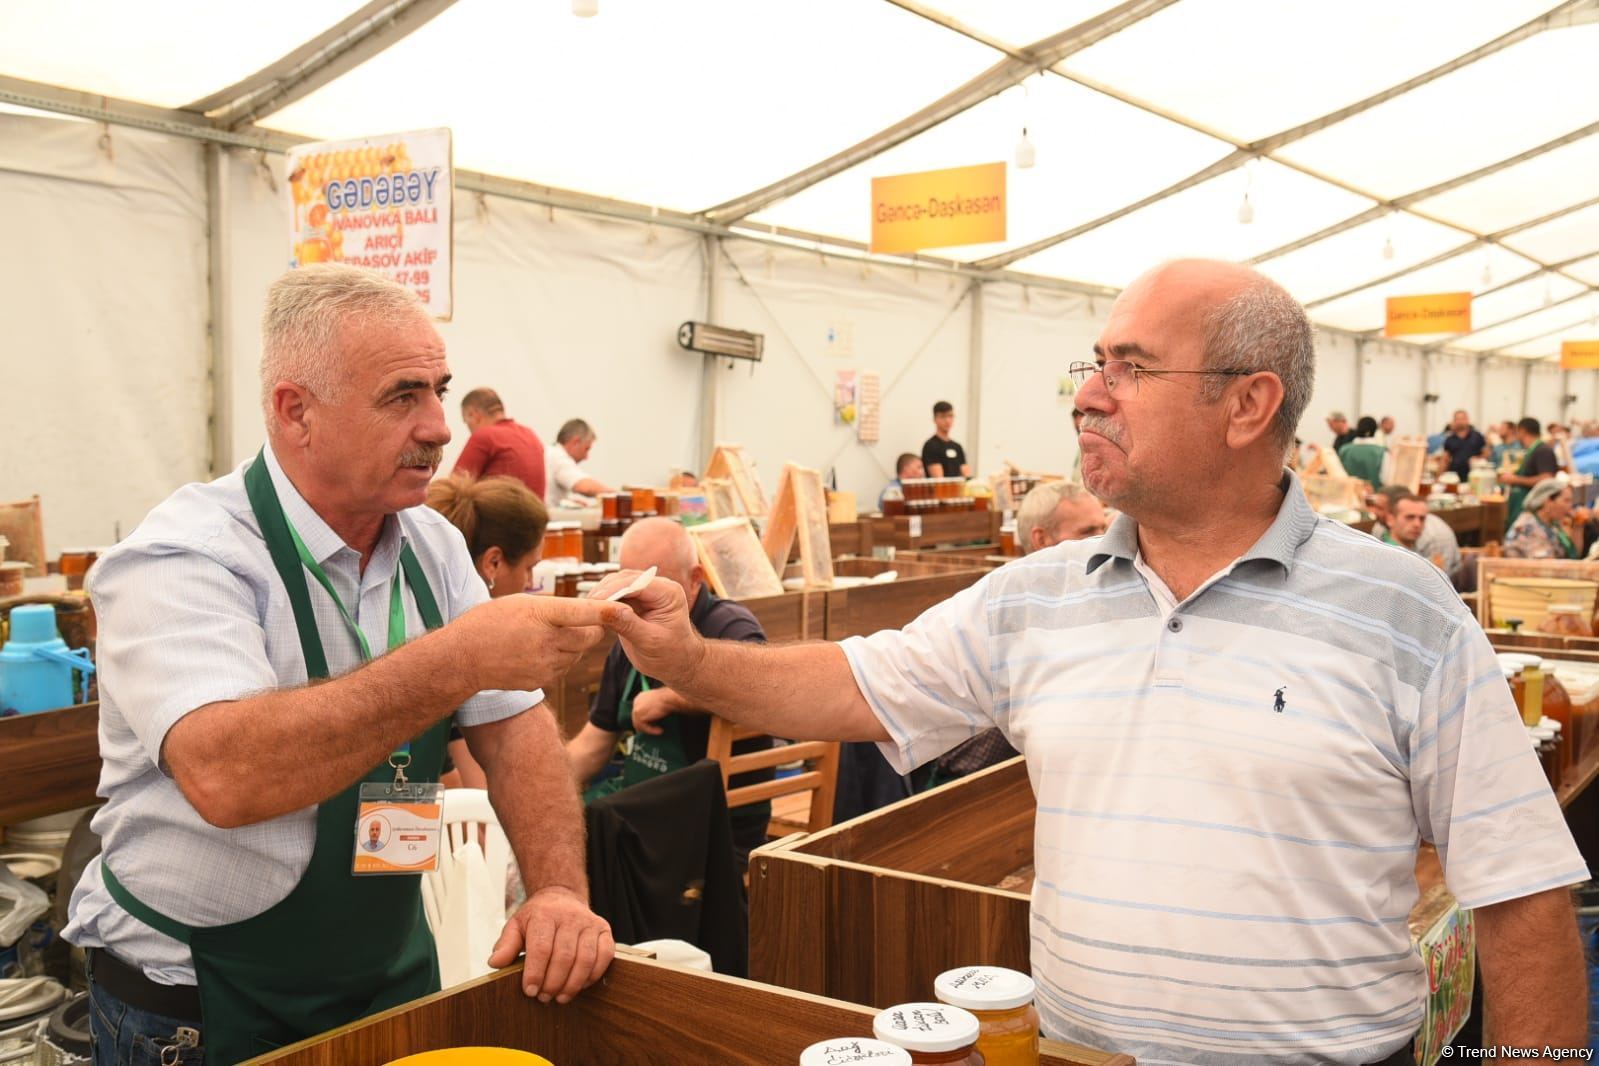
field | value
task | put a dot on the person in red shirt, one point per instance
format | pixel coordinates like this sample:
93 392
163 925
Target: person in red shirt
499 444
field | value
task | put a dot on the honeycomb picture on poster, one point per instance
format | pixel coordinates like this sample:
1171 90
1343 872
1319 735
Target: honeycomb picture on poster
382 203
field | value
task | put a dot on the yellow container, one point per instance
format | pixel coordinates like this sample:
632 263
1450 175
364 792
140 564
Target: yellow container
472 1056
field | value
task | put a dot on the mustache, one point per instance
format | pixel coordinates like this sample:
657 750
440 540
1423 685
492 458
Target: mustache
422 455
1104 427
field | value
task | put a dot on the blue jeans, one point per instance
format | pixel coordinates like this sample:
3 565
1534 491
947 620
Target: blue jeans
126 1036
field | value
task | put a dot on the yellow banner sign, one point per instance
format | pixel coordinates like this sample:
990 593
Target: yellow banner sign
939 208
1439 312
1579 355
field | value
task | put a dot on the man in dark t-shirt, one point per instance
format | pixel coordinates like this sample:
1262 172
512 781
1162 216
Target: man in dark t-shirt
499 444
1463 444
941 456
1538 464
667 733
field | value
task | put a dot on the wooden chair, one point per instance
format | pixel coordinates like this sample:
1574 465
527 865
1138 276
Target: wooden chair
22 523
819 778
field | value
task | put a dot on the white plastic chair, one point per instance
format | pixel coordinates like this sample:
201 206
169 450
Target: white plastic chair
465 897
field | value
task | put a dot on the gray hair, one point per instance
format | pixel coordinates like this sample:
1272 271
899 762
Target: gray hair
1038 509
574 429
305 312
1542 493
1263 328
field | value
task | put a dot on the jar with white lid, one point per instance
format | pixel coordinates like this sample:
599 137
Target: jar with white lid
933 1033
1002 1001
851 1049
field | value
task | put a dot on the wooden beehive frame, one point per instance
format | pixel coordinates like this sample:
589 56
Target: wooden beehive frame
734 562
800 509
728 461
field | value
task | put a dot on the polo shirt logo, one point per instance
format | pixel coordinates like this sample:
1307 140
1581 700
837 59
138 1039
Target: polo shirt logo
1280 704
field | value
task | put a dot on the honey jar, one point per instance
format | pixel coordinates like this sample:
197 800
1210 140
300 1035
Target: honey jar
848 1049
932 1033
1002 1002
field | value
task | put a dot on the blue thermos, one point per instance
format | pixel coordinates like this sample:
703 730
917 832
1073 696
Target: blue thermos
35 665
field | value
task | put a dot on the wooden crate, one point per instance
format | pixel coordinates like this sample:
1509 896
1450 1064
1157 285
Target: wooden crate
933 882
868 608
641 1013
956 527
817 900
49 762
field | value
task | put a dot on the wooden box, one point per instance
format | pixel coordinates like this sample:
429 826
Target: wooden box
873 909
49 762
641 1013
867 608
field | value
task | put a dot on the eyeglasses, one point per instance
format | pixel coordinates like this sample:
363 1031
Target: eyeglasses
1119 370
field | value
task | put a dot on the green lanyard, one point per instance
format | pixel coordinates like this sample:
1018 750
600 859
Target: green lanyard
402 755
1566 546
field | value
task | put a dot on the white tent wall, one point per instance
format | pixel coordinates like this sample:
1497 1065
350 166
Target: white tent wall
1454 380
913 328
1391 385
1501 391
1544 396
1335 387
103 300
1030 337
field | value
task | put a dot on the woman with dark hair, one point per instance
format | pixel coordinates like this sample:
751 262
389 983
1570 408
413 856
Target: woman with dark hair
503 523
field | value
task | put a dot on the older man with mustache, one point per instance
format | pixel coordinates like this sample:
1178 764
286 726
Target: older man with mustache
281 654
1240 719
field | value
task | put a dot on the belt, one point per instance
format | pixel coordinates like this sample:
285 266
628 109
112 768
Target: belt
131 986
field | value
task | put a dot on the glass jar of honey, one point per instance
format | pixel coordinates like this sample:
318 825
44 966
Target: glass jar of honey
1525 674
932 1033
1002 1002
848 1049
1566 620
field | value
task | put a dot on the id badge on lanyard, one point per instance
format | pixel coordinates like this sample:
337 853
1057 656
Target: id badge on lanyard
398 825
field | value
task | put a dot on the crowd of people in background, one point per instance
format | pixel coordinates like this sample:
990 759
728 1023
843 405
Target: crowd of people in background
1532 464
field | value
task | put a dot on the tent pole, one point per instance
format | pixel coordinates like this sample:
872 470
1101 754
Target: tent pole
1360 378
1482 394
1526 388
218 249
710 380
974 378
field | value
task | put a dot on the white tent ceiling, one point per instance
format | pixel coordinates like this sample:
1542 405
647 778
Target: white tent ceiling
1385 148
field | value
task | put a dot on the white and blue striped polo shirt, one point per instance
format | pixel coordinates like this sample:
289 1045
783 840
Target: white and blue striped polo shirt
1223 875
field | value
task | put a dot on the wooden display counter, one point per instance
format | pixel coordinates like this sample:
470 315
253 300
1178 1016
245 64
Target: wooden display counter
641 1013
49 762
936 881
956 527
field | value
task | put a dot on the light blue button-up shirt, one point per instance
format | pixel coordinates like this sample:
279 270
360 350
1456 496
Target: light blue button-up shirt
191 612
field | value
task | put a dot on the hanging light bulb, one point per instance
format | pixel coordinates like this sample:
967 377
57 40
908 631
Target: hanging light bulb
1388 248
1548 291
585 9
1246 211
1487 267
1026 154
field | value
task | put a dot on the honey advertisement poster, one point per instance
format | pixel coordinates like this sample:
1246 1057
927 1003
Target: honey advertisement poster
383 203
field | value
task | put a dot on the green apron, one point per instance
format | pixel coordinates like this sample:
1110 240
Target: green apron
338 947
651 756
1517 496
1558 535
